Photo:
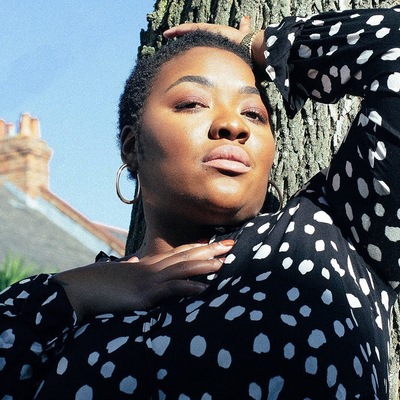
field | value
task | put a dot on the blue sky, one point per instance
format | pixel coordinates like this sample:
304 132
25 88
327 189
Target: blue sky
66 62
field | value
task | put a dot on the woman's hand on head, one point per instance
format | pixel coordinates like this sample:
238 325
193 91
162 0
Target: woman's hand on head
233 34
142 284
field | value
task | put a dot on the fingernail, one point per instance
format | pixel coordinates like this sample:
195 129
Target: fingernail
227 242
247 17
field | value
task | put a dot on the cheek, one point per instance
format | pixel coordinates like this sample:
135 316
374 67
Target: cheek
170 138
167 155
154 140
266 152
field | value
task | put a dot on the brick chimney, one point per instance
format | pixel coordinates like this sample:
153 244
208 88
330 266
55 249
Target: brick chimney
24 156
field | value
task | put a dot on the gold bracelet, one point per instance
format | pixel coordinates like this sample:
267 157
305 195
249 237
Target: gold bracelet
247 42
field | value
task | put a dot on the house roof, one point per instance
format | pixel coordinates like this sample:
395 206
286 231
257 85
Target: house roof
115 238
48 232
35 224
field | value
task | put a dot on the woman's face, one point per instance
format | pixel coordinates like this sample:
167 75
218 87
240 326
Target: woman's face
205 147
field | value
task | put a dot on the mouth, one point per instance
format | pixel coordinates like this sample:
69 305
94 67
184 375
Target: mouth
229 159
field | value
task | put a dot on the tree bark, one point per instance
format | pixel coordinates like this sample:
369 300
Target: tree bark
305 144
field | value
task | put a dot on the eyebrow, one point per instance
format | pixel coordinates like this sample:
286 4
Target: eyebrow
201 80
249 90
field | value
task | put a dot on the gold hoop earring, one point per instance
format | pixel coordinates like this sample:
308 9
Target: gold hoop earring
279 196
121 197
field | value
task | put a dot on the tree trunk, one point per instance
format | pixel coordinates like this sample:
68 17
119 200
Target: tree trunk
305 144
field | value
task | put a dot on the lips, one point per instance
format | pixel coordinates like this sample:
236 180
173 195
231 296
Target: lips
228 158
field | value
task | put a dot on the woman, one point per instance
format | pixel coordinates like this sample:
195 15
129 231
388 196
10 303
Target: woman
300 307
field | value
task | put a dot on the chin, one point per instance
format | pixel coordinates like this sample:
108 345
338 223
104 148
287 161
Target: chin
225 215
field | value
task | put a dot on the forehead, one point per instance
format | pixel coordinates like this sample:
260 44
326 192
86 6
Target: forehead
216 64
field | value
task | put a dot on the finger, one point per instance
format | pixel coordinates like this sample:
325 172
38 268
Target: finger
224 30
186 253
129 259
186 247
245 25
204 252
178 288
183 29
159 257
189 269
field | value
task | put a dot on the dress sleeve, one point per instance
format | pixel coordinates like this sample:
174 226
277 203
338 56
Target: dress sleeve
353 52
34 321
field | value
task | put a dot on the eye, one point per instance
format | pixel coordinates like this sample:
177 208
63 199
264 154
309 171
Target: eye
189 105
256 115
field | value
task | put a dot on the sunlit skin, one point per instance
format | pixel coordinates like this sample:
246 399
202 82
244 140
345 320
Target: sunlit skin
203 150
201 102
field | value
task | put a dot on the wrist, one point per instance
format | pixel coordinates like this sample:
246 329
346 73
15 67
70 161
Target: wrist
258 49
247 43
254 43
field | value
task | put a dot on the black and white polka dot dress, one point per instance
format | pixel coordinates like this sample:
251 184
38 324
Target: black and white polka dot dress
300 309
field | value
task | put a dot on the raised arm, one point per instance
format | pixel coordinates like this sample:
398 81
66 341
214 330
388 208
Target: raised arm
329 55
353 52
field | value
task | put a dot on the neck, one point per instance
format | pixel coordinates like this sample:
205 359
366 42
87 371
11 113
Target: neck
160 240
166 231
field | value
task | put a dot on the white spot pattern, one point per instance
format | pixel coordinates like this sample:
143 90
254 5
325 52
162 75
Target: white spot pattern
303 286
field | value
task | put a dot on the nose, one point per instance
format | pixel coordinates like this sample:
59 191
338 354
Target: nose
231 126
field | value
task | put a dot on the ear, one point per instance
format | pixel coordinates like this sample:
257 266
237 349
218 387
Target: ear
129 146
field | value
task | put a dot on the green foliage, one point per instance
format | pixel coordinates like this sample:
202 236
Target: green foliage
13 269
